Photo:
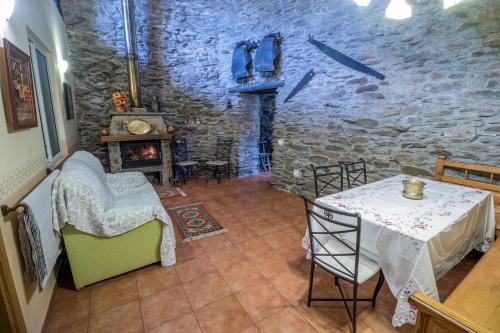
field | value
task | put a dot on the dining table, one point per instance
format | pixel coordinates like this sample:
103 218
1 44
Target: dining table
415 242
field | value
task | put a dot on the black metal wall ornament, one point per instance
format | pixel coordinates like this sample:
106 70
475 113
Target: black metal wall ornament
242 60
268 87
344 59
305 80
267 54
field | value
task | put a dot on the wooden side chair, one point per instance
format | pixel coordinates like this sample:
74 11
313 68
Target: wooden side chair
221 165
184 166
327 179
331 252
355 173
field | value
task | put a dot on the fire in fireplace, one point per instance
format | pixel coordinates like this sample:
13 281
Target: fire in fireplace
140 153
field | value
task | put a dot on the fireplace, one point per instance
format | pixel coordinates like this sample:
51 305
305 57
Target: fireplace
137 154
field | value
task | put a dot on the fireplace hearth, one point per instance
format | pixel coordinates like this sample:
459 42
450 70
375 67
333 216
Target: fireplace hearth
137 154
144 153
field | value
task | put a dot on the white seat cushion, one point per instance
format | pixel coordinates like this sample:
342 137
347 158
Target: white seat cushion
186 163
217 162
367 267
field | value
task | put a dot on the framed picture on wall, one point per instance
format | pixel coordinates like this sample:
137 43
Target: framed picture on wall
17 88
68 101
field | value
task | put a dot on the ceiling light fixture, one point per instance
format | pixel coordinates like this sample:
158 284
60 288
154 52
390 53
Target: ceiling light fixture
362 3
398 10
6 9
450 3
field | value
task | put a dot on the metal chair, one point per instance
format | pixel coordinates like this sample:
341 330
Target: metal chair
327 177
265 161
222 160
328 231
183 165
355 172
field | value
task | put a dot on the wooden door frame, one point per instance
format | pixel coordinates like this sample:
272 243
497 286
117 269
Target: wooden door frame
8 294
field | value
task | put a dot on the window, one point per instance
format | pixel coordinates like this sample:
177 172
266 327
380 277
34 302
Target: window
44 100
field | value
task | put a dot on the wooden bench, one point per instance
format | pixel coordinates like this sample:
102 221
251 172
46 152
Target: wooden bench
484 177
473 307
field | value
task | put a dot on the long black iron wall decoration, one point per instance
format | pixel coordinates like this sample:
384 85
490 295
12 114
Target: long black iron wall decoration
345 60
266 59
302 83
337 56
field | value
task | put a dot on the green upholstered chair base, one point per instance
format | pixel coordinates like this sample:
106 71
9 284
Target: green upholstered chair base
94 258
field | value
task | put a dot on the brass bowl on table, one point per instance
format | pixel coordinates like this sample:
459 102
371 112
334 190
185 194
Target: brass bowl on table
413 189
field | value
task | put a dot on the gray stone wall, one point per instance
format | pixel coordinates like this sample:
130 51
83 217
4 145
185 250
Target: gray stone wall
440 95
180 62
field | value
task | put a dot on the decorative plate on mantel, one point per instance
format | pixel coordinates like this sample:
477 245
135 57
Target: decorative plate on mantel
139 127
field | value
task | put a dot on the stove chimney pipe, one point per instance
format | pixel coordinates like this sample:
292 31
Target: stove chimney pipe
132 62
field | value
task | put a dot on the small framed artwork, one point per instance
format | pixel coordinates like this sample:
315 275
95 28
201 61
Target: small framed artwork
17 88
68 101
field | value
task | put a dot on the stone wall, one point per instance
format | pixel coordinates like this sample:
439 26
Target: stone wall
180 62
440 95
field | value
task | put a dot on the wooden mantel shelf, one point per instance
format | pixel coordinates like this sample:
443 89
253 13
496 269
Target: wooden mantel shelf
118 138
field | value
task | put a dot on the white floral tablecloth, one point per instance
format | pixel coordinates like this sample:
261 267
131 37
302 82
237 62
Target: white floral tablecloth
417 241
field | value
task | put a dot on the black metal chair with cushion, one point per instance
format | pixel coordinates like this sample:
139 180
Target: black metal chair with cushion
328 231
355 172
222 160
328 179
184 166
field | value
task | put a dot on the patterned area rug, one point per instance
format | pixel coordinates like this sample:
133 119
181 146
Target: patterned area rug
167 192
195 222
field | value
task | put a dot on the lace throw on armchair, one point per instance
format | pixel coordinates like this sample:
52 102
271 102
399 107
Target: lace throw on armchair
108 205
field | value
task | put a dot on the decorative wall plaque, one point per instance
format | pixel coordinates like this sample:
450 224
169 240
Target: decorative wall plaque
17 88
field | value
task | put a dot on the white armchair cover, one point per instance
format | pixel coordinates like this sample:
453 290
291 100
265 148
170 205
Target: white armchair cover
108 205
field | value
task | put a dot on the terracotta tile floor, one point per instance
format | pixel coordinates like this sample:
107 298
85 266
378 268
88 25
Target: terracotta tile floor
251 279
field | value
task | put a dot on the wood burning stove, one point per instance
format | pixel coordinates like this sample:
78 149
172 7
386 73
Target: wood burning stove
136 154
